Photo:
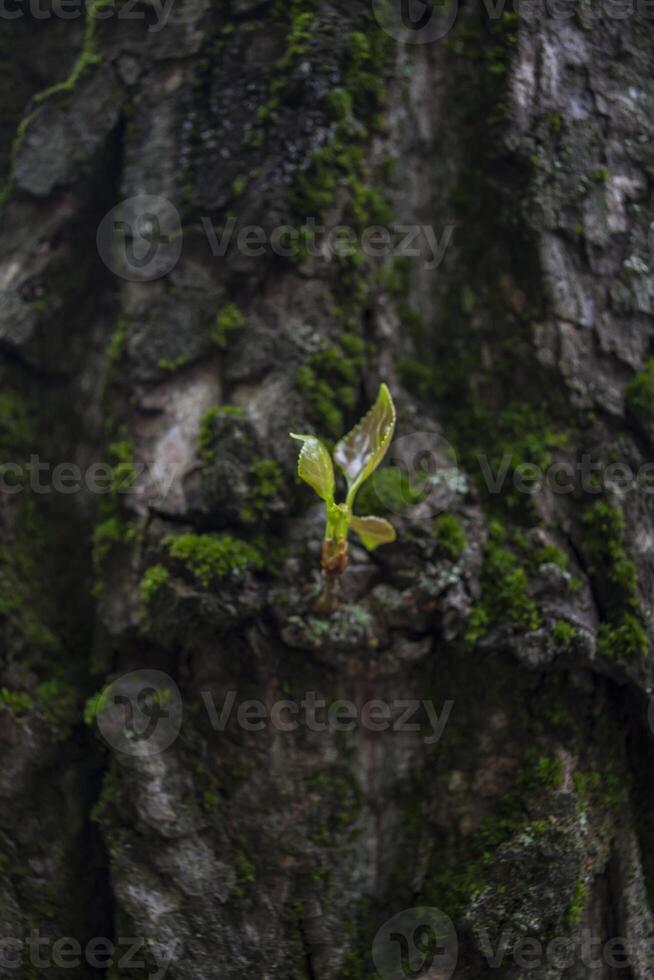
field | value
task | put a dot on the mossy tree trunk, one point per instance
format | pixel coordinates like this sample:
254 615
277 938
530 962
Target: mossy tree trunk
520 335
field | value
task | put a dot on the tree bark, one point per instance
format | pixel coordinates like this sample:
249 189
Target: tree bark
145 326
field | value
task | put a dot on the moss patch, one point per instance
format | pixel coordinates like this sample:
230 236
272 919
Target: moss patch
267 481
210 557
229 322
639 399
616 578
331 382
206 437
448 532
505 594
155 577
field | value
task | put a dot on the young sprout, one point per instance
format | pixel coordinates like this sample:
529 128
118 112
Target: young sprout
358 455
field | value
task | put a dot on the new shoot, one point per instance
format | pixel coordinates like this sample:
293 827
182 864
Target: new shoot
357 455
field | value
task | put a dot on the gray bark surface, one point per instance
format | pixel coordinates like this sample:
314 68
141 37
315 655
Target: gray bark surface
527 144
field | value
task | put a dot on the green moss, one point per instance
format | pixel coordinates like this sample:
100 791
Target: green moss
267 481
564 632
331 381
601 789
340 166
449 534
505 594
623 635
479 350
16 422
179 362
206 434
246 874
229 321
536 557
337 809
121 455
95 705
109 811
155 577
108 534
639 398
210 801
554 121
105 536
58 701
88 58
625 639
551 555
493 444
239 184
600 176
211 557
18 702
117 346
298 40
575 910
604 551
354 106
462 867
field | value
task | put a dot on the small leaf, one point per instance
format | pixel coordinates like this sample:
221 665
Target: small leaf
373 531
362 450
315 467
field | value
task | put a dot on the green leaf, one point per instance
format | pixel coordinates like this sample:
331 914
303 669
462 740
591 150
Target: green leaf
362 450
315 467
373 531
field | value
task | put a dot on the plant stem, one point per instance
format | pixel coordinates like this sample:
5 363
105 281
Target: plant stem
327 602
334 563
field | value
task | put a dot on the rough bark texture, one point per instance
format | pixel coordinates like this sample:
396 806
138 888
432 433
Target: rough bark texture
276 854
